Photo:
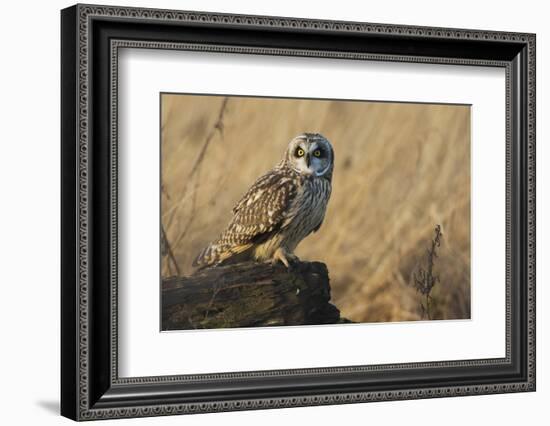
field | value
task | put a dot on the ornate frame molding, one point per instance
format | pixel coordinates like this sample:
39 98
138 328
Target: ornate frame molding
78 24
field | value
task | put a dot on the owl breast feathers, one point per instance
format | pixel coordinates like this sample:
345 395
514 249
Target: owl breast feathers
280 209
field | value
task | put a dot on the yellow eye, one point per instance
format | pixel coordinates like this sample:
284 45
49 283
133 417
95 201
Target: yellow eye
317 153
300 152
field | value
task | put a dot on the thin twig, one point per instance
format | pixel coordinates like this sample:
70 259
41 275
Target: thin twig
164 191
218 127
194 175
191 214
167 250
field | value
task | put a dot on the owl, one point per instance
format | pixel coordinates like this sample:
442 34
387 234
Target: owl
280 209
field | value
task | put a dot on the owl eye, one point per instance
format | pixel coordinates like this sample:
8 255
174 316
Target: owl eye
300 152
317 153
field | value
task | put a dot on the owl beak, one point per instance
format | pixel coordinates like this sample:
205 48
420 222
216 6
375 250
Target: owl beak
310 171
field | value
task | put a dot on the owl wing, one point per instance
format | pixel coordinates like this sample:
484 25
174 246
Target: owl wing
263 208
260 212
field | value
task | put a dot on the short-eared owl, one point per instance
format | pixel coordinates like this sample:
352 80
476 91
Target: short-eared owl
282 207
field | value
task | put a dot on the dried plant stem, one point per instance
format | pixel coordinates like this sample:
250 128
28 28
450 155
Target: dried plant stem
218 127
167 250
426 306
191 214
424 279
194 178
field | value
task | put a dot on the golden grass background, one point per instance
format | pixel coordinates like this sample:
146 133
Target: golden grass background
400 169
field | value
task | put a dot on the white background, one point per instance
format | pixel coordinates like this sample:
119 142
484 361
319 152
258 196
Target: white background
29 222
140 343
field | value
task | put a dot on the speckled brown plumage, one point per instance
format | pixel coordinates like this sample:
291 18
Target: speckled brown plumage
280 209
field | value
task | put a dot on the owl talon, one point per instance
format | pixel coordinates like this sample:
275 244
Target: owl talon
285 257
292 258
281 258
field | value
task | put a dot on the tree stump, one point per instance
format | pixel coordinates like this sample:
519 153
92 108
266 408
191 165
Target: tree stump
249 295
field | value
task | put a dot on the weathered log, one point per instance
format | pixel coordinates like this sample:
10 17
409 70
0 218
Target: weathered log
249 295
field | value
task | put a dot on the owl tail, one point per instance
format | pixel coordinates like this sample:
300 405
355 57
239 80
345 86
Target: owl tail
208 256
215 254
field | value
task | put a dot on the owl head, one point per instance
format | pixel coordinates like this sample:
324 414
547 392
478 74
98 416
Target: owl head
310 154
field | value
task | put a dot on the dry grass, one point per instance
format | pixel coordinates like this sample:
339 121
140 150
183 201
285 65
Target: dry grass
400 170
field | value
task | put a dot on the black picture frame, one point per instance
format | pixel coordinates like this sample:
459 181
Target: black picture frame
90 386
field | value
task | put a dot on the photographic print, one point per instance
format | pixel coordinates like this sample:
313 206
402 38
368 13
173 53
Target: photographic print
283 211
